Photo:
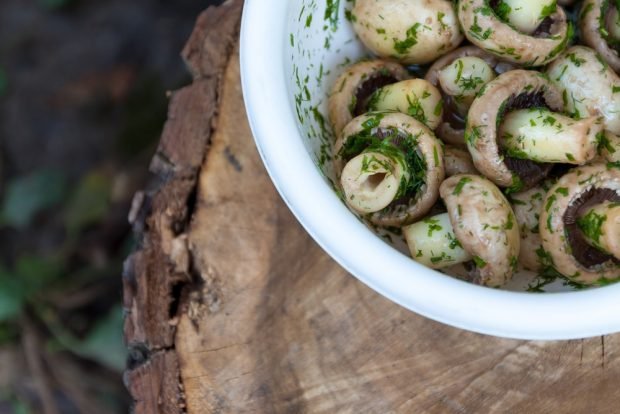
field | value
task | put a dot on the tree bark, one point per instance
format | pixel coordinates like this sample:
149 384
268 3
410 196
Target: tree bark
159 273
231 307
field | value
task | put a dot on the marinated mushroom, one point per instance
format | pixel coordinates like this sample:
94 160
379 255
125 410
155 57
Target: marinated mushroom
579 224
414 97
608 147
588 86
540 135
410 31
457 161
352 90
390 167
600 29
525 16
527 206
496 115
463 79
600 226
479 227
487 25
458 99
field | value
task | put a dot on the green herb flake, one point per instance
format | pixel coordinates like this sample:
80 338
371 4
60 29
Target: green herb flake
480 262
591 225
402 46
459 186
438 108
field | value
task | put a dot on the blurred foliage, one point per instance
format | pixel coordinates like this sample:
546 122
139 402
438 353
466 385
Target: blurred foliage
26 196
89 202
24 285
40 284
103 344
63 225
144 116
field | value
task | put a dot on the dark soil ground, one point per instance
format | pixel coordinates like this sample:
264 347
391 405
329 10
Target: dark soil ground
82 101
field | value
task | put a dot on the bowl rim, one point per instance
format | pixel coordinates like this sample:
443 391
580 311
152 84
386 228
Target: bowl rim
519 315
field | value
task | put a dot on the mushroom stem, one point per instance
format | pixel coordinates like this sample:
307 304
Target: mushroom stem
414 97
371 181
432 242
600 226
540 135
612 24
463 78
525 15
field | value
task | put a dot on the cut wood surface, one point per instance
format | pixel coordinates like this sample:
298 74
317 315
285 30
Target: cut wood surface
232 308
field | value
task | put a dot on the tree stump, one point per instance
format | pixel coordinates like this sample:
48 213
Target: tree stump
231 307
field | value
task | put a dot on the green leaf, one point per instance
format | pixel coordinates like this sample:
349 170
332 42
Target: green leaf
20 407
89 203
12 296
28 195
104 343
9 332
37 272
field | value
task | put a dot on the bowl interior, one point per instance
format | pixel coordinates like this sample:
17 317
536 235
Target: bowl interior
321 43
289 58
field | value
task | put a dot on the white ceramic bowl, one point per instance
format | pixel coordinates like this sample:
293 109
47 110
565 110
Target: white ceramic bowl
286 72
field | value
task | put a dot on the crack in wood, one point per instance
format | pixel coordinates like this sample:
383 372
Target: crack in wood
159 275
603 352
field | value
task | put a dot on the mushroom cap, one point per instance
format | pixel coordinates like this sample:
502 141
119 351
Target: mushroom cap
355 85
450 130
517 89
574 193
429 148
483 28
484 224
411 31
527 206
590 20
590 85
457 161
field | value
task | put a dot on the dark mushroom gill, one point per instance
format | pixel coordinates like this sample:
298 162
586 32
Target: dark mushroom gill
367 88
530 172
585 254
